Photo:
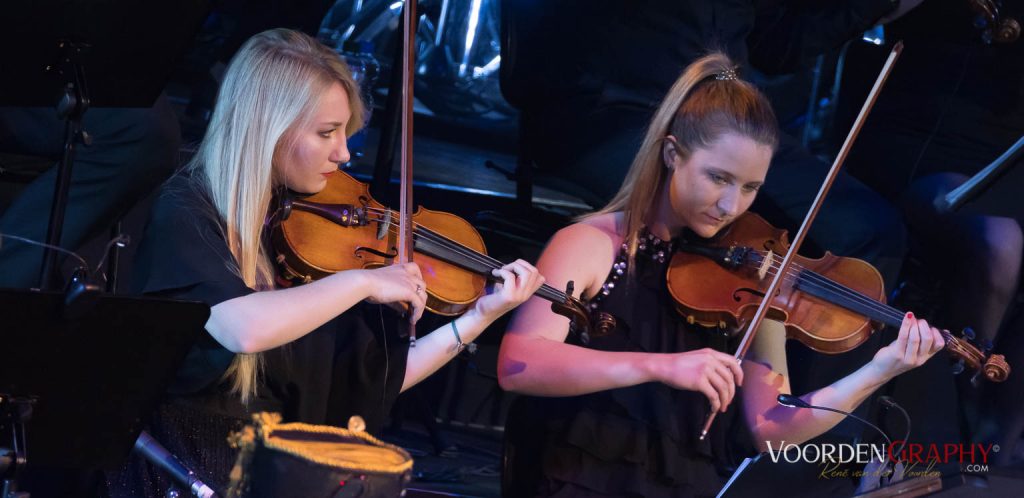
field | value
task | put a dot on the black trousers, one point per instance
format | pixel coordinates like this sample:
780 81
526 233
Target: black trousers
133 151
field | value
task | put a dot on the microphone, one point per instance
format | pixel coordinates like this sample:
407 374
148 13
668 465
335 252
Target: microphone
795 402
792 401
159 456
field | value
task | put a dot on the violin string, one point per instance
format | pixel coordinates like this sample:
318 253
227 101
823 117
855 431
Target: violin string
455 246
469 253
811 277
478 257
808 276
952 342
826 283
812 280
821 282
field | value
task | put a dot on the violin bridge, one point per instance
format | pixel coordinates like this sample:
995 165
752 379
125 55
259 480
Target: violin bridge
384 226
766 264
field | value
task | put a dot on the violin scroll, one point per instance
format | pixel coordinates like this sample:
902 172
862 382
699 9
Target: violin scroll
581 320
996 369
993 366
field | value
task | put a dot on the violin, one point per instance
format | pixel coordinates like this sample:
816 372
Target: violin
343 228
831 304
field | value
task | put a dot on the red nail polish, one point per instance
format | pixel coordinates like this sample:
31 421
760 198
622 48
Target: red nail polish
910 314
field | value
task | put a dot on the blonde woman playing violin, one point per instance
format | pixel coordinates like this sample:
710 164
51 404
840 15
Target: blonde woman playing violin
313 352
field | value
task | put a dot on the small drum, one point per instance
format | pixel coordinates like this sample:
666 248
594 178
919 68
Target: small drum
298 459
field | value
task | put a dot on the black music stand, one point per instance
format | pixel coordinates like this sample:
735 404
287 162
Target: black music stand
76 55
760 477
95 377
995 190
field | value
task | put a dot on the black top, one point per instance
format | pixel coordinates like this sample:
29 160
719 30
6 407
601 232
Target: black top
640 440
338 370
352 365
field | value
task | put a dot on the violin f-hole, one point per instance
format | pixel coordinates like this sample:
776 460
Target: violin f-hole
392 254
737 294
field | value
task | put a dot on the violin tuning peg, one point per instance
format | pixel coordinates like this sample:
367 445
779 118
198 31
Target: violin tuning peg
968 333
958 367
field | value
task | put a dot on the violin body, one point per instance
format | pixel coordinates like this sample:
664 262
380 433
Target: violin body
344 228
831 304
713 295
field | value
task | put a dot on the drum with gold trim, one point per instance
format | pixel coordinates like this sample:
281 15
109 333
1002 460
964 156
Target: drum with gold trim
296 459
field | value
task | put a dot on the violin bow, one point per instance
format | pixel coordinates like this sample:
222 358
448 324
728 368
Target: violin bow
773 288
405 206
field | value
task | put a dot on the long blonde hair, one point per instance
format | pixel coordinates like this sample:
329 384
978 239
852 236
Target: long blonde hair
270 89
706 101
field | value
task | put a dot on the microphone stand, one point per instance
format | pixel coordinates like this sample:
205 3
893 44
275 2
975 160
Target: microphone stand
795 402
886 401
72 106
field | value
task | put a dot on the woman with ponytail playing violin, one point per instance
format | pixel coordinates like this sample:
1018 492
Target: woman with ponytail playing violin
621 414
314 352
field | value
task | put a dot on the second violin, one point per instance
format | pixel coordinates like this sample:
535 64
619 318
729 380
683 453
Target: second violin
832 304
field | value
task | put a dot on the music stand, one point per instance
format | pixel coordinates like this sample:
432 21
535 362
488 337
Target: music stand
994 191
76 55
95 377
762 478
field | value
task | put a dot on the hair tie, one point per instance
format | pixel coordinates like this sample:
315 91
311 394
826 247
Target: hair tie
726 75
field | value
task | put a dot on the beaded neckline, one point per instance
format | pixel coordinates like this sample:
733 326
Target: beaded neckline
649 246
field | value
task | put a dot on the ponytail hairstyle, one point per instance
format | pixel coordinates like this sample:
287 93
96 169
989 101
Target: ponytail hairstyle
271 87
707 101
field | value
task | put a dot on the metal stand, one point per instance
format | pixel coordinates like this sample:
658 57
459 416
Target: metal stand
125 49
15 412
72 106
87 381
982 181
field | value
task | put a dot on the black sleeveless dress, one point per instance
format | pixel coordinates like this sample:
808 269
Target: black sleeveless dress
641 440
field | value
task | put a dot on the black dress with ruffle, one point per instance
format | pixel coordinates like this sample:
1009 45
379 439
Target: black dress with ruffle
642 440
352 365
